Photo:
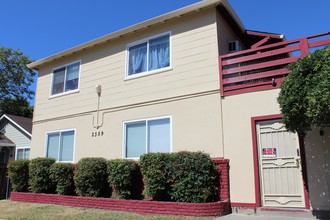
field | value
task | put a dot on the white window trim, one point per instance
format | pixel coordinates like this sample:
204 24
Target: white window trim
19 148
146 120
52 79
138 75
74 143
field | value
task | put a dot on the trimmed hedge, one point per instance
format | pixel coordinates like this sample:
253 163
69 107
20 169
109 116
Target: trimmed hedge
181 177
125 179
194 175
91 178
39 171
154 168
18 171
62 176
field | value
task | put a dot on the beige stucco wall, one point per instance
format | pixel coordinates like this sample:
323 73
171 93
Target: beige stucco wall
318 168
237 112
195 126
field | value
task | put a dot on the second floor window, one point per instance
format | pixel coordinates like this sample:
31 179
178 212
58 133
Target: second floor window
149 55
65 79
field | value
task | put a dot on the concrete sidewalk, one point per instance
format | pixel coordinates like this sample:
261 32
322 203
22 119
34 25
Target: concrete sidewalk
258 217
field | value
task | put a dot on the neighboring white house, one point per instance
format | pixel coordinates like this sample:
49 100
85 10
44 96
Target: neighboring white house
15 142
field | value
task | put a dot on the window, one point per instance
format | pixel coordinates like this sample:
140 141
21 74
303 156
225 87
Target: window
60 145
65 79
22 153
153 135
149 55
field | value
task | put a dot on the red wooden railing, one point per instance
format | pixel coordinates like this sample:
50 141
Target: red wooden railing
264 67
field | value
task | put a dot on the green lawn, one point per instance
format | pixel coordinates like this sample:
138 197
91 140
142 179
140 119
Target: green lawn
18 210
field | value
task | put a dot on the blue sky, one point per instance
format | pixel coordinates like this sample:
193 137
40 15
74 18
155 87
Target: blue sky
41 28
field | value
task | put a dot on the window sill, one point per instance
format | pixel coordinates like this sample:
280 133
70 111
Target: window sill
63 94
144 74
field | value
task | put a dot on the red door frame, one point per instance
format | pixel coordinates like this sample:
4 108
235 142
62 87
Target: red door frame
254 121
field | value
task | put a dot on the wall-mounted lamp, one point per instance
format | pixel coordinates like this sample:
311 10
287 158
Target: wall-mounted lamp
98 89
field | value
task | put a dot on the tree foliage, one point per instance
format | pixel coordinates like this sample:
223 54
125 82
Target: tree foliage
16 106
15 80
305 93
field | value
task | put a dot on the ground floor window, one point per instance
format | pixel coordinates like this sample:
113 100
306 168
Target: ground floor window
22 153
148 135
60 145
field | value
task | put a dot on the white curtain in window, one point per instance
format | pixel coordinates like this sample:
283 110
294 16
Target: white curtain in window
52 145
159 139
159 53
137 59
66 150
135 139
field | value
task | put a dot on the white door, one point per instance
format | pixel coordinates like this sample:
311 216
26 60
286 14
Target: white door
280 168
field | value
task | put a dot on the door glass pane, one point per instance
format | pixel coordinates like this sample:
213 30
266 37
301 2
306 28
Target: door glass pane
135 139
52 145
20 155
159 137
72 77
58 81
66 153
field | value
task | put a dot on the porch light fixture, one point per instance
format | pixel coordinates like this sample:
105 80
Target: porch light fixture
98 90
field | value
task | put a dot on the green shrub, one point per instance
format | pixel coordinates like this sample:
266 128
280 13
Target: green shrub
194 175
125 179
62 176
91 178
154 168
39 180
18 171
181 177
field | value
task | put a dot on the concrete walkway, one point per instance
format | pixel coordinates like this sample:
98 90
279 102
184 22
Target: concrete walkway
258 217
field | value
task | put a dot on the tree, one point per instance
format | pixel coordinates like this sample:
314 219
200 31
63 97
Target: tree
15 81
305 93
16 106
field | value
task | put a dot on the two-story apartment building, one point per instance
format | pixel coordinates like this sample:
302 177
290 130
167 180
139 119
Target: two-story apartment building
156 87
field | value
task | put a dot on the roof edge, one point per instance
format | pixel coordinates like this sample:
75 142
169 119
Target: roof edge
12 121
117 34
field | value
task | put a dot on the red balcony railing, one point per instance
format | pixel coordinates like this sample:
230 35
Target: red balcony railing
264 67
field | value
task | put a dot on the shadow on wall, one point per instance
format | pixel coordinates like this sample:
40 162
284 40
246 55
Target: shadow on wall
317 146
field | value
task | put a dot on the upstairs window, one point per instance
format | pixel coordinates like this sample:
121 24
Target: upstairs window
65 79
149 55
60 145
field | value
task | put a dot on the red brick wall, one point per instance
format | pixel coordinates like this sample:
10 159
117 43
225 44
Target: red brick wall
223 170
137 206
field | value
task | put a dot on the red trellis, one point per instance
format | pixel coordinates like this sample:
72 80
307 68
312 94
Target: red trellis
264 67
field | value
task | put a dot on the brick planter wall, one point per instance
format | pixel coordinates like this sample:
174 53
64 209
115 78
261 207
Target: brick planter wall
223 170
138 206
